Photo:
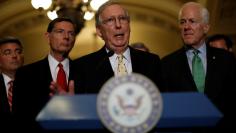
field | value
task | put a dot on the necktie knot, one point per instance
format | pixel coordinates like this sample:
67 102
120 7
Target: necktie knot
120 58
60 65
10 83
121 69
196 52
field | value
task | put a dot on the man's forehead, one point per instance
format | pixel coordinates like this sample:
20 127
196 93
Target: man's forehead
113 9
9 44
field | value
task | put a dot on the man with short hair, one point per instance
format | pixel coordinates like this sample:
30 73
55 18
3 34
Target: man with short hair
36 83
116 57
11 58
220 41
198 67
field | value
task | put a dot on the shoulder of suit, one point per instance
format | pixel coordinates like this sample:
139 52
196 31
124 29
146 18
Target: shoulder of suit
220 52
143 53
173 55
33 66
90 57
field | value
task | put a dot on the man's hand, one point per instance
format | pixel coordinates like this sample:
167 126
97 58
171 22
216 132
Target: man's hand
56 89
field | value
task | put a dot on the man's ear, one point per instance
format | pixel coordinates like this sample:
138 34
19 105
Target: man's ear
206 28
98 31
46 35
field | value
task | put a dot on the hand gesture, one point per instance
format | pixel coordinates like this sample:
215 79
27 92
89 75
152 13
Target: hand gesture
56 89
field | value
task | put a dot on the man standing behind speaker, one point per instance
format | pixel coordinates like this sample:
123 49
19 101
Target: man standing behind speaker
37 82
218 80
113 26
11 58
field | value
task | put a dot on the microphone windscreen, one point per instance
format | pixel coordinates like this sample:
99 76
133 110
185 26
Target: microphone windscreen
110 53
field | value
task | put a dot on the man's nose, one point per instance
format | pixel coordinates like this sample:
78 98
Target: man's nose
117 22
14 54
187 25
66 35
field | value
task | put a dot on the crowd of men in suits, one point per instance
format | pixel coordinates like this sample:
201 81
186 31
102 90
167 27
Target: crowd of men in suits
37 82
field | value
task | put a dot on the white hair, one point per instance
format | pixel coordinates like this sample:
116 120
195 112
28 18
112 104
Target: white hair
203 10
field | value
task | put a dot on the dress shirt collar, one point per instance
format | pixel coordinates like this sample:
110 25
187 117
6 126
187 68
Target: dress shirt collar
201 54
202 51
126 55
6 80
127 60
53 63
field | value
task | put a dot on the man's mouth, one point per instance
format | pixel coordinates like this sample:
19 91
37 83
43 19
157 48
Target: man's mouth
119 35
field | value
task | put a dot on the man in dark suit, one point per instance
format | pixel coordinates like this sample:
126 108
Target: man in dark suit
113 26
11 58
220 41
219 78
37 82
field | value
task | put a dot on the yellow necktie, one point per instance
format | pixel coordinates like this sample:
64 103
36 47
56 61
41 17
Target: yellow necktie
121 69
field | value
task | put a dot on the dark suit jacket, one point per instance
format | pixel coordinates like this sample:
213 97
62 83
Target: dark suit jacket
31 90
94 70
220 78
5 114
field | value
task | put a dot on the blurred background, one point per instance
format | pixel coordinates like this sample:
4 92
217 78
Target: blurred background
153 22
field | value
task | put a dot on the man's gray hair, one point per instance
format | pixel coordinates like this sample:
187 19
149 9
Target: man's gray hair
102 7
203 10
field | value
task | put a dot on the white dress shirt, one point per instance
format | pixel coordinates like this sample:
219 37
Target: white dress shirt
127 60
53 64
7 79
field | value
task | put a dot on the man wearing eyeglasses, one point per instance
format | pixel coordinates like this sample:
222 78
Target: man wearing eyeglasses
36 83
11 58
113 26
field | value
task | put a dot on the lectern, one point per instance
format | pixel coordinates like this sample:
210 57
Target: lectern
78 112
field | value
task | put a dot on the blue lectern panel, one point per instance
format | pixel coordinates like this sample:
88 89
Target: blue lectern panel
188 110
70 112
79 112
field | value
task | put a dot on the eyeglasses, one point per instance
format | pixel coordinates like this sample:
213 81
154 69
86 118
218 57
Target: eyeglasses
63 32
9 52
112 20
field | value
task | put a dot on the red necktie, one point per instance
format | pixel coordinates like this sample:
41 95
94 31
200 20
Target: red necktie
9 96
61 77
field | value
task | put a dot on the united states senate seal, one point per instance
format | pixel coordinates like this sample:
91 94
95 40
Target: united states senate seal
129 104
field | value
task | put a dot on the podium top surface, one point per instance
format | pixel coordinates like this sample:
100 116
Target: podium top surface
188 109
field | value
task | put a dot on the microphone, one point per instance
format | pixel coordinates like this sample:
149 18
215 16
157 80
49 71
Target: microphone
109 54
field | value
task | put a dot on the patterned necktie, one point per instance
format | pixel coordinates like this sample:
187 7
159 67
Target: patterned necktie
61 77
121 69
198 71
9 95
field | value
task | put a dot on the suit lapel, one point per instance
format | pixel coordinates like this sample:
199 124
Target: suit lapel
105 69
71 70
3 95
45 73
211 70
185 71
136 61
